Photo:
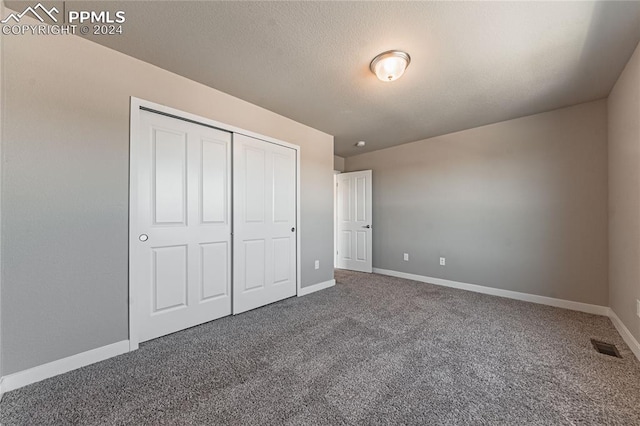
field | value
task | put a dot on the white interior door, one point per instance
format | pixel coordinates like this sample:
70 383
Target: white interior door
355 244
180 225
264 223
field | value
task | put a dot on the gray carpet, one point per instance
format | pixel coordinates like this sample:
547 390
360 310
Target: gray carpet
371 350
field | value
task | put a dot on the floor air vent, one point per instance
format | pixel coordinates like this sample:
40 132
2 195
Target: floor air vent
605 348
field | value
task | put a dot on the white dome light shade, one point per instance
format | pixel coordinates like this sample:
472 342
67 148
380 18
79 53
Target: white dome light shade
389 66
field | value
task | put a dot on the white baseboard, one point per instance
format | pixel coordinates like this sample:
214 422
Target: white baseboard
526 297
625 333
316 287
54 368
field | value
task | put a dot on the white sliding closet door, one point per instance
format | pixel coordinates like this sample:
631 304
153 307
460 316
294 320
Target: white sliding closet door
180 224
264 222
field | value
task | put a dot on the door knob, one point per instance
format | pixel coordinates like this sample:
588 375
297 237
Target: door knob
143 237
367 226
293 229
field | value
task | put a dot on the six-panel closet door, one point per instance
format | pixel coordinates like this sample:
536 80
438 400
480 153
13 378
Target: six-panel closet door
181 229
264 223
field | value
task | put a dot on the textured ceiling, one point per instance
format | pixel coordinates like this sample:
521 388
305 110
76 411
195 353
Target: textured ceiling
473 63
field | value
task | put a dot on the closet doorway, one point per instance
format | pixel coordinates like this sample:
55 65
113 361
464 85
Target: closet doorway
213 221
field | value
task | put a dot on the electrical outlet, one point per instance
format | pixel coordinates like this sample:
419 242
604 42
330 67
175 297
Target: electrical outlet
317 264
443 261
638 307
406 257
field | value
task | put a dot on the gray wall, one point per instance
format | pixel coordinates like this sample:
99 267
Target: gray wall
338 163
2 112
65 189
624 195
518 205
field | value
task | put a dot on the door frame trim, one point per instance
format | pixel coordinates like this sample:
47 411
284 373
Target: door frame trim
134 125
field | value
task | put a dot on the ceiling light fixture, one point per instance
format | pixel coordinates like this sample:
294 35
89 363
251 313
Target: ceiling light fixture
360 144
390 65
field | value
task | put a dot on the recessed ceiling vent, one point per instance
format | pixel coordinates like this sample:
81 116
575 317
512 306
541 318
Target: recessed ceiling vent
605 348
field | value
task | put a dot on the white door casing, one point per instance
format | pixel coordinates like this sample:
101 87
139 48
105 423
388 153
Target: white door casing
355 244
180 237
264 223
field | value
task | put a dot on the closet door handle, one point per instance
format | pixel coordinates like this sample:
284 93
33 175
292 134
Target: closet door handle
143 237
293 229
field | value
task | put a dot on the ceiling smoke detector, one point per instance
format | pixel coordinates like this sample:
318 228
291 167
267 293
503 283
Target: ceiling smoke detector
360 144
